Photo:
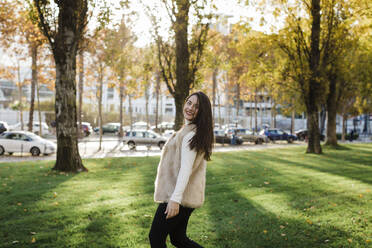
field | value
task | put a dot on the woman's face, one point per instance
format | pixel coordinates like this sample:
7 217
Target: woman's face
190 110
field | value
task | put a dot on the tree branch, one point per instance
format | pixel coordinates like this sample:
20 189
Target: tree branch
44 26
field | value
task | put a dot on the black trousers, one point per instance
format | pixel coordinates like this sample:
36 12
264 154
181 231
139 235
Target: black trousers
175 227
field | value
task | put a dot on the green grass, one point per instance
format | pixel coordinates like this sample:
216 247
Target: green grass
269 198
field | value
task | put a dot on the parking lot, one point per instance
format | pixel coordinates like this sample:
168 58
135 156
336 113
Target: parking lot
112 147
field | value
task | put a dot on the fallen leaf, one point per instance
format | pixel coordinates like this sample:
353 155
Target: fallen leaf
360 196
309 221
368 241
33 240
349 240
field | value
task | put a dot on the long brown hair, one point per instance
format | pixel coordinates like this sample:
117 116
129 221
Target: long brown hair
203 139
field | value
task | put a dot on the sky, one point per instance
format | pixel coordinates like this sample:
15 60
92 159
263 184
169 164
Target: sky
141 24
236 11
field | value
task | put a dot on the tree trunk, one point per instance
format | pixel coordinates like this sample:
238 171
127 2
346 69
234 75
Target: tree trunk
182 87
81 88
64 42
121 93
38 106
255 112
251 112
323 117
130 111
365 127
33 86
100 89
214 81
293 121
313 131
68 157
157 89
20 96
237 105
344 127
331 113
312 96
147 96
219 110
273 115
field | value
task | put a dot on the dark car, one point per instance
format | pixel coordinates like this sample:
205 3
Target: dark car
112 127
3 126
302 135
222 137
277 134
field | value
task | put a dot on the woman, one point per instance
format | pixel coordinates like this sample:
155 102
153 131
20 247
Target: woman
180 181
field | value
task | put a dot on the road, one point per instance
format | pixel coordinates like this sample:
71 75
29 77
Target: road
112 147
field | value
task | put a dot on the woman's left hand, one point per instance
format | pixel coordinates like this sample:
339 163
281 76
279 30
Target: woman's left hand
172 210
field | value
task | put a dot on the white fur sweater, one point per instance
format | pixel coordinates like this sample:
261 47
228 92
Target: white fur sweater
181 171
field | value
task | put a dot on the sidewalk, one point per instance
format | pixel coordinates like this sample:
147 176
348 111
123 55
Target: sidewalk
117 149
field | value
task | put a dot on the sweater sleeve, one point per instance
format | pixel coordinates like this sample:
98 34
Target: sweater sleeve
187 160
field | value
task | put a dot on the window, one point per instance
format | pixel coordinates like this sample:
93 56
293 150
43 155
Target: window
13 136
110 93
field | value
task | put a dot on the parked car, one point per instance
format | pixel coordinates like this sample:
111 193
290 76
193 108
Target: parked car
248 136
222 137
112 127
3 126
25 142
35 127
302 134
141 125
143 137
86 128
168 133
166 126
278 134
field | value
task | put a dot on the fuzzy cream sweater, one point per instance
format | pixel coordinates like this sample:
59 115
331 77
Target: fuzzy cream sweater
181 171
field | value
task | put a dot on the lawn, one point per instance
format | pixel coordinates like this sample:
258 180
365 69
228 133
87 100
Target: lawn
268 198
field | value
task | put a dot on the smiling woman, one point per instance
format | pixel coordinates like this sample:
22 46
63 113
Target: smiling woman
180 180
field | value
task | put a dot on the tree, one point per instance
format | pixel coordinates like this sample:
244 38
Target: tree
35 40
179 60
64 35
300 41
97 52
119 56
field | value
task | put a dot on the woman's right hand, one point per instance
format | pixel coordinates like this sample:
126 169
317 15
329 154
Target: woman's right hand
173 208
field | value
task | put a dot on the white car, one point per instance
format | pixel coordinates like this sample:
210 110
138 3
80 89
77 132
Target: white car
25 142
35 127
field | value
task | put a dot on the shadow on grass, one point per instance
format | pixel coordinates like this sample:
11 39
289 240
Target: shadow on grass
240 221
336 147
350 165
24 186
126 222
